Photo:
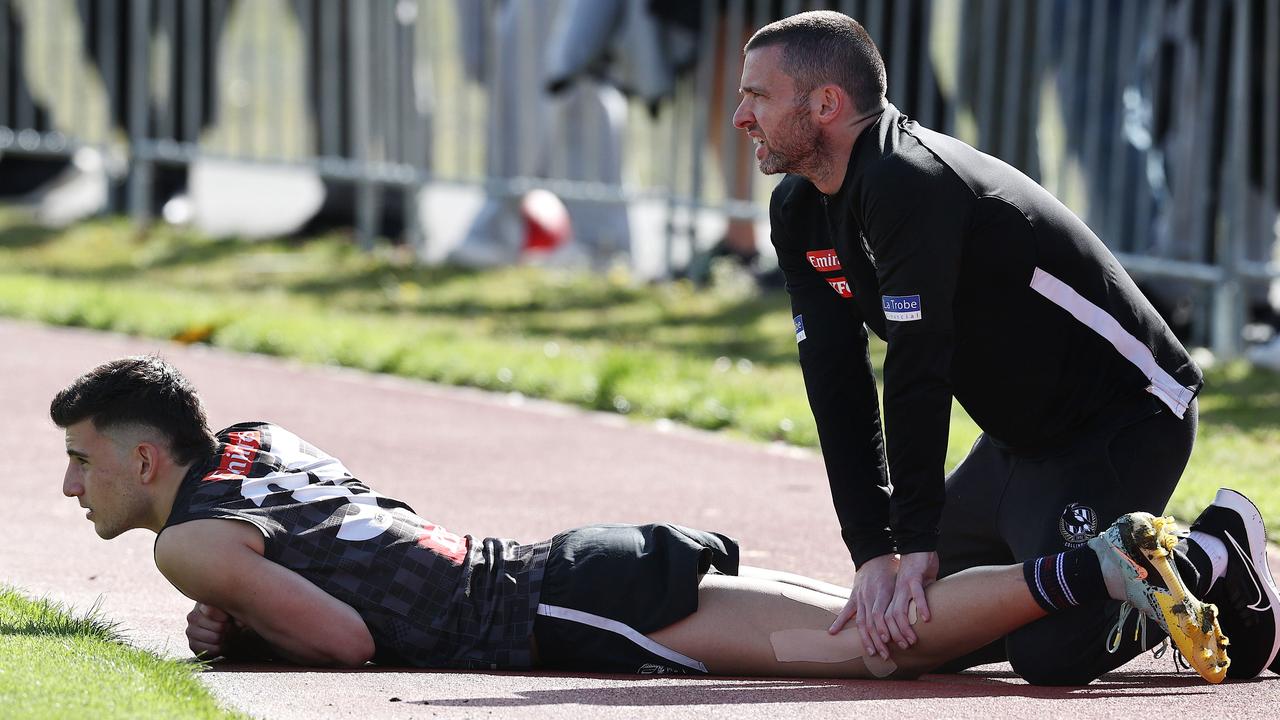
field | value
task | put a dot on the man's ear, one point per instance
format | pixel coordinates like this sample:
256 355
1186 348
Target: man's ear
147 457
829 103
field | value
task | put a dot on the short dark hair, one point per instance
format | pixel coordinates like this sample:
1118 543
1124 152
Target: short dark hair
142 390
823 46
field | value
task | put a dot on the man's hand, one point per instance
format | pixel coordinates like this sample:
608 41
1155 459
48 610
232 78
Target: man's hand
916 571
873 586
208 630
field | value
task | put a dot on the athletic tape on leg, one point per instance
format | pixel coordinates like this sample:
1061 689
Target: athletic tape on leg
810 645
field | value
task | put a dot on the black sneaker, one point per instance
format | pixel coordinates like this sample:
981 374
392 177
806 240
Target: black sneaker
1246 596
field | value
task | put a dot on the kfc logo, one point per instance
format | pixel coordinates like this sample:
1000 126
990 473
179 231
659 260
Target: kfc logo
841 286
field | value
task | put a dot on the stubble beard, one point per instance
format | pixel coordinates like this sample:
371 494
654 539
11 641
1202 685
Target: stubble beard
800 150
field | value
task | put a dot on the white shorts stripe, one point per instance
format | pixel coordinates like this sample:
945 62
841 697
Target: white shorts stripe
624 630
1134 350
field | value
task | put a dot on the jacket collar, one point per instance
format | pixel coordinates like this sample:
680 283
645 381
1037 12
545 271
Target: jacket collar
866 149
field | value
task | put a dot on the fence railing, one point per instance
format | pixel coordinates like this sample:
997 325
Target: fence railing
1157 121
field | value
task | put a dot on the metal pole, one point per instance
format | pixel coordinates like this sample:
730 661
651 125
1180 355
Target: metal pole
734 21
414 124
139 144
1155 22
1068 77
1228 299
358 92
327 88
1096 66
1121 188
1271 104
702 91
1015 55
168 24
6 48
192 70
264 98
989 80
68 97
26 114
108 30
926 105
302 85
1041 60
899 69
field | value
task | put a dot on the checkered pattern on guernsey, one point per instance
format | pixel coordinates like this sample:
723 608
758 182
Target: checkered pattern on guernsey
429 598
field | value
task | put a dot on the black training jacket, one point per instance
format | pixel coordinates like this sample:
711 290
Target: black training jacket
986 288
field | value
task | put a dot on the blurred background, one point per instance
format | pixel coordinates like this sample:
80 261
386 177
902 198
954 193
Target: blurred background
597 133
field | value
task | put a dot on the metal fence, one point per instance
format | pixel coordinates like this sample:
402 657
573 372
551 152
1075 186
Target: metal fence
1158 121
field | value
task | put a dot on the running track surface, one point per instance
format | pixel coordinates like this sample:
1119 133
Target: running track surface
495 465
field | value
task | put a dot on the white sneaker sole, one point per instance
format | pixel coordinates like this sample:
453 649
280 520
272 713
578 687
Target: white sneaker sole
1244 507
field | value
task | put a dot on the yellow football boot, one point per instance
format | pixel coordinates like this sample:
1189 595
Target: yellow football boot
1136 543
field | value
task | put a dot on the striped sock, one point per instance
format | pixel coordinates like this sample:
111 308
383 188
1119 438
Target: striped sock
1065 580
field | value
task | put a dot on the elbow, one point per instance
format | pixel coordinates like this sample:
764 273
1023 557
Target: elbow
348 650
356 653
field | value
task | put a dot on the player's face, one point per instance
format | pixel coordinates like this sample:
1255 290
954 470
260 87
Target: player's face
102 477
777 121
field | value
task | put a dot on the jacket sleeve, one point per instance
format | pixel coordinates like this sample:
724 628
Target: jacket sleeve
915 217
832 342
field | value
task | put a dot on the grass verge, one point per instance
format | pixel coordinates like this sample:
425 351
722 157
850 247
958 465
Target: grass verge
56 665
721 358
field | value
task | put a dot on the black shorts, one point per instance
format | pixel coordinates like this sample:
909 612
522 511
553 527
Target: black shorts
607 586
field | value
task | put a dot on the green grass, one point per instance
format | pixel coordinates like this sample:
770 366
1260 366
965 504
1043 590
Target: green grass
721 358
57 665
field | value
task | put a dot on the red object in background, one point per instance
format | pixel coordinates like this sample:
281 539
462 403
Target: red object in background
546 221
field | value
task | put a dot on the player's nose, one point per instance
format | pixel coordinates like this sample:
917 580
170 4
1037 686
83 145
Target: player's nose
742 117
71 484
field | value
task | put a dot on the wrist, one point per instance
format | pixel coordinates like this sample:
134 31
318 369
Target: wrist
245 644
924 543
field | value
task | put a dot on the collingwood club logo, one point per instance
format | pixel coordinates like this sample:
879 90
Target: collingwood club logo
1077 524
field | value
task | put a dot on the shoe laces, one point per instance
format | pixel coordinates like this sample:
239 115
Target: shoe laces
1116 635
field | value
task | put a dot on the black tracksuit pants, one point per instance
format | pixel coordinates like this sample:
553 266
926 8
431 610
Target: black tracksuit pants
1005 505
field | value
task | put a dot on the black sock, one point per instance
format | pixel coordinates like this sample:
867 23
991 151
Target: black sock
1065 580
1195 567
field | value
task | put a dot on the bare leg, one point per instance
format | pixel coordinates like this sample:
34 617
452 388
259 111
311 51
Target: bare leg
757 626
826 588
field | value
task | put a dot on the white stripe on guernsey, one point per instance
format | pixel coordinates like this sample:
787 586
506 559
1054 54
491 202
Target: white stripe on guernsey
625 631
1040 587
1062 582
1134 350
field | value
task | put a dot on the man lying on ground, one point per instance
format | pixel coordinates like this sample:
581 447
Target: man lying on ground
275 540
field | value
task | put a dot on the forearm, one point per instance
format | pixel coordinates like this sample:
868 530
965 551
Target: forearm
298 648
842 395
917 424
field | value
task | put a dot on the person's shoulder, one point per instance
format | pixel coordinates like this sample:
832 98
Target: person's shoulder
907 172
203 540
